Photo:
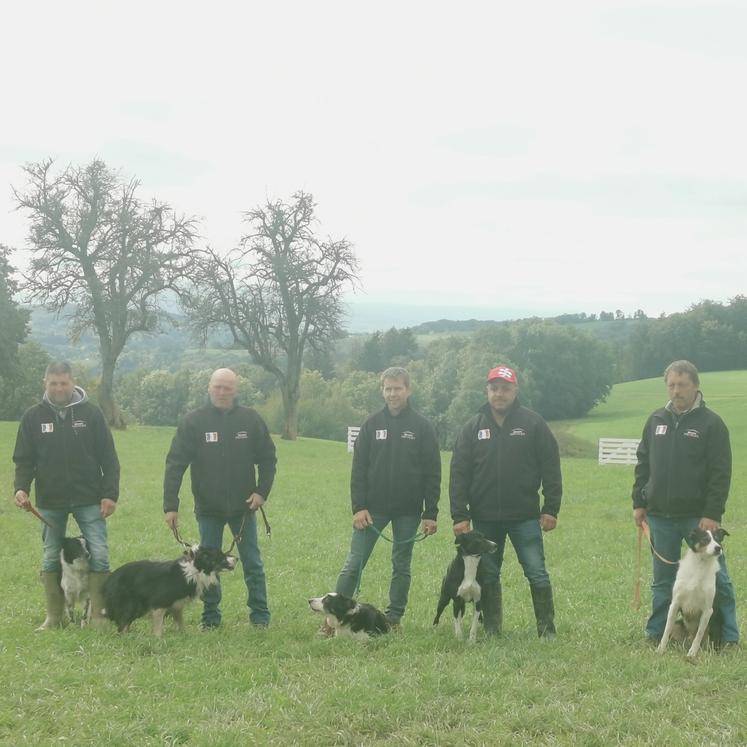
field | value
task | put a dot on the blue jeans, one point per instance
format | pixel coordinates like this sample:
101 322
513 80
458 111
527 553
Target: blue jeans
211 535
361 547
667 536
93 528
526 538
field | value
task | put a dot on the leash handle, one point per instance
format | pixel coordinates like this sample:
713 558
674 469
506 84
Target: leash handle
32 510
417 537
647 532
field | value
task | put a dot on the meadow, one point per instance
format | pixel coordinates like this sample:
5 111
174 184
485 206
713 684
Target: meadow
596 684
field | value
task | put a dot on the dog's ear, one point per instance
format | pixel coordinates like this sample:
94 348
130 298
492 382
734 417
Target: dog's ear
692 538
719 534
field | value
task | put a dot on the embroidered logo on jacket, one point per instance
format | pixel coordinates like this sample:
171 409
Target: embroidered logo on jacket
483 434
381 435
79 424
518 432
211 438
661 430
47 427
409 435
691 433
242 434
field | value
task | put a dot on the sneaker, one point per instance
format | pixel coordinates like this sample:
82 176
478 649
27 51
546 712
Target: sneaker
326 631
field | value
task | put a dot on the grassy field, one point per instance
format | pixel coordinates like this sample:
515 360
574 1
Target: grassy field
597 684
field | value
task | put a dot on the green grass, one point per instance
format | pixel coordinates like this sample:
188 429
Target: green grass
596 685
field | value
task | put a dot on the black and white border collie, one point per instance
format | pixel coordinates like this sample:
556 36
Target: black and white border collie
694 592
350 618
162 587
463 580
74 557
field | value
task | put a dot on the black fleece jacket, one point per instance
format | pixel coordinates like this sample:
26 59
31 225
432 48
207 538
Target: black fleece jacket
684 466
396 465
71 459
222 448
497 471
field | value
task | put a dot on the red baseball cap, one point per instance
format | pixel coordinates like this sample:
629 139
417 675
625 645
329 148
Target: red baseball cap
503 373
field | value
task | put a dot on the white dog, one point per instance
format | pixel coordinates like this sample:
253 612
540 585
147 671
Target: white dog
694 588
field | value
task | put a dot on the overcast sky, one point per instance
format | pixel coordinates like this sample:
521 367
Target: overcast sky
530 157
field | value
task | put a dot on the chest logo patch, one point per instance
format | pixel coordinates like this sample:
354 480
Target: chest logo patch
408 435
211 438
518 432
661 430
381 435
242 434
483 434
79 424
691 433
47 427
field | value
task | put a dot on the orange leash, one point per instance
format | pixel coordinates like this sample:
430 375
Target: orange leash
644 529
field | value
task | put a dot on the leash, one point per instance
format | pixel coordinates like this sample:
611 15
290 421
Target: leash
237 537
417 537
32 510
644 529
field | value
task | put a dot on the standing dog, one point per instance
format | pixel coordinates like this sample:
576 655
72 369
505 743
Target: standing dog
162 587
74 558
464 579
694 589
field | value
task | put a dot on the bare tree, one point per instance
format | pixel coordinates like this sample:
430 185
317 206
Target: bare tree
278 293
100 252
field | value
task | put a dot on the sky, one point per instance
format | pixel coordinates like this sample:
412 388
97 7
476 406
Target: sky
490 159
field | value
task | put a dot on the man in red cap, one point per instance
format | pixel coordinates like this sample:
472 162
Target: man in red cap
501 459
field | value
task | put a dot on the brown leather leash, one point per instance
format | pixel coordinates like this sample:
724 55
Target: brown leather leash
644 529
31 509
237 537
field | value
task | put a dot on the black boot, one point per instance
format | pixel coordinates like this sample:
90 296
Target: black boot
544 611
491 604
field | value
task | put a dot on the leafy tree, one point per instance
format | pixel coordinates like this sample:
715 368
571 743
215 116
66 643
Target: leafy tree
20 391
103 255
370 357
278 293
13 319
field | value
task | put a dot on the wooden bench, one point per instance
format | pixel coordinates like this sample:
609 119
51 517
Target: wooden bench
353 431
618 450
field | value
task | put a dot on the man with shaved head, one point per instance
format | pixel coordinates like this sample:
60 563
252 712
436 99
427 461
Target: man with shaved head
232 463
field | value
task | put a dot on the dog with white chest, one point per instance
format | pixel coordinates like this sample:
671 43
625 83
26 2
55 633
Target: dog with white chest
464 581
350 618
74 557
694 590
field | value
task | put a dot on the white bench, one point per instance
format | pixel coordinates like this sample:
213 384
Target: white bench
618 450
353 431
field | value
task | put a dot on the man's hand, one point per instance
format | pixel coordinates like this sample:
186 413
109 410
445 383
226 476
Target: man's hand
108 507
461 527
710 524
639 516
548 522
428 527
172 519
362 519
254 501
22 500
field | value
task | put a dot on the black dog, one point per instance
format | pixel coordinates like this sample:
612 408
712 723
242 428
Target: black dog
464 580
350 618
162 587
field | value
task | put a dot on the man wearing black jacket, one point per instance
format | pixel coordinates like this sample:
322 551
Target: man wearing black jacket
682 481
501 458
65 447
222 442
396 478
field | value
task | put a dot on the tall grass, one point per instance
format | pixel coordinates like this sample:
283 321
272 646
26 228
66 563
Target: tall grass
597 684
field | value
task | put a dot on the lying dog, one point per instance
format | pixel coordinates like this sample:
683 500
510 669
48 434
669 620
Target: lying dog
694 590
74 558
350 618
464 579
162 587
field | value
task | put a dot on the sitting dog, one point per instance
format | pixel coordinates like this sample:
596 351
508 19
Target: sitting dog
162 587
464 579
74 558
350 618
694 591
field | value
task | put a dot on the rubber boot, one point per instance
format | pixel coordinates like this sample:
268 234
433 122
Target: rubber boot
544 611
55 600
492 608
96 581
